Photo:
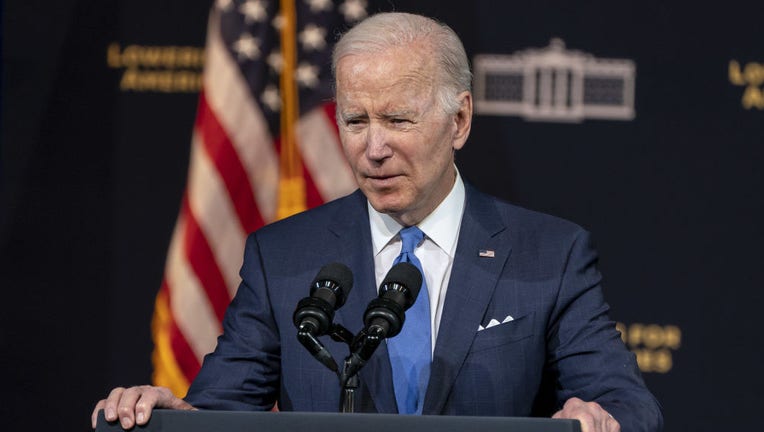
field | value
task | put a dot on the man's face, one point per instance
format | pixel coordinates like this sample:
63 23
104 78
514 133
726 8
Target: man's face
397 139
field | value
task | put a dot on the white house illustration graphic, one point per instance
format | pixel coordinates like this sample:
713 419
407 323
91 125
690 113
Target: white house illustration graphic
554 84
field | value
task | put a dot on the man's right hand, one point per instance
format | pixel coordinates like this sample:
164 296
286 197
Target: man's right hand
133 405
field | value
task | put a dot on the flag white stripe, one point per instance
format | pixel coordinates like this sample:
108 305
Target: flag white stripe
188 302
215 214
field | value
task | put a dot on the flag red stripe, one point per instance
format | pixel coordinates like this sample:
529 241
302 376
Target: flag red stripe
330 109
201 259
312 195
184 355
223 154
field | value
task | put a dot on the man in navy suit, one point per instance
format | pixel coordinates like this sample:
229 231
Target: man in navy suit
518 323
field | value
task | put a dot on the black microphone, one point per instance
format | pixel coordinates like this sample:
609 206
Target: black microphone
385 315
328 292
314 315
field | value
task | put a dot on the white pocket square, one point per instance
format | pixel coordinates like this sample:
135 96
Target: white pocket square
495 322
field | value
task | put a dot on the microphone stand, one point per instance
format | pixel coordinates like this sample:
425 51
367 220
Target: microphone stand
349 386
349 382
361 347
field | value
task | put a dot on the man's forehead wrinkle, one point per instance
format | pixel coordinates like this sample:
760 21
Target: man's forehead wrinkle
404 85
385 85
417 78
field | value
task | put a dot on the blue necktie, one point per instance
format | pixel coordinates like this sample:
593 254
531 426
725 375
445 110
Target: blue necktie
410 351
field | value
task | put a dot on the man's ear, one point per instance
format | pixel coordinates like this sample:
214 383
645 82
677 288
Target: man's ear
462 120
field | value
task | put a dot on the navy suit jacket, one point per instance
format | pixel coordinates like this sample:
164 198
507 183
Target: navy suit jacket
543 273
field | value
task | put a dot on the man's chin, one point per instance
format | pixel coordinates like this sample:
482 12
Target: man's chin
385 205
388 209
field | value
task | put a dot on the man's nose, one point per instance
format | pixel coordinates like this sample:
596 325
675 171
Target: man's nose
377 143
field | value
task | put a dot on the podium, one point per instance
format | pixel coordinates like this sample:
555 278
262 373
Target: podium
237 421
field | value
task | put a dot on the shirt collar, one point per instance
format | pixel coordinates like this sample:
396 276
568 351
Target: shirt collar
441 226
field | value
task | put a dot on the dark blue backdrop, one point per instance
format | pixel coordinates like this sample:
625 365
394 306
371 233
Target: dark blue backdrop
92 178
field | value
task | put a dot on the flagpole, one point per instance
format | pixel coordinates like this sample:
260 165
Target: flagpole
291 196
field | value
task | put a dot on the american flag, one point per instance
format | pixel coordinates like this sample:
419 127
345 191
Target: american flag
255 157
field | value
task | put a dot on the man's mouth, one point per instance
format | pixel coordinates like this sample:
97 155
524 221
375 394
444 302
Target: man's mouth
382 180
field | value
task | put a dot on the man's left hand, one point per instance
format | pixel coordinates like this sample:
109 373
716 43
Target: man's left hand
591 415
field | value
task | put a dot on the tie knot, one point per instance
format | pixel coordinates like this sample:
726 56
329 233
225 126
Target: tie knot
410 237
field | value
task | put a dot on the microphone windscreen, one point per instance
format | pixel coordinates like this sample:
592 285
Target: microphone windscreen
340 275
405 274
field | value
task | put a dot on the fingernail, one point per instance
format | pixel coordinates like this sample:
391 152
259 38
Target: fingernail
126 423
111 414
140 417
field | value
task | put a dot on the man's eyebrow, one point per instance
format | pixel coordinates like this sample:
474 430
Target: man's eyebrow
346 116
398 113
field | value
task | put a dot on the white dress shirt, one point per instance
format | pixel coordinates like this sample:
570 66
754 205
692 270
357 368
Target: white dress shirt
436 253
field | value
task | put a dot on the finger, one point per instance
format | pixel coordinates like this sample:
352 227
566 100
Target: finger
588 421
584 418
612 425
150 397
94 417
111 403
156 397
126 406
589 414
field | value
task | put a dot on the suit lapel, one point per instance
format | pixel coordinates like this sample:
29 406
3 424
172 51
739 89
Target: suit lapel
470 288
351 226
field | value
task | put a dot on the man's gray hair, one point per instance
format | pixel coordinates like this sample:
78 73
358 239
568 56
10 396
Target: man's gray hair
394 29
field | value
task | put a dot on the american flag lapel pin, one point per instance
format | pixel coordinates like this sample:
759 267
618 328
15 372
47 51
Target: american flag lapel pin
486 253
